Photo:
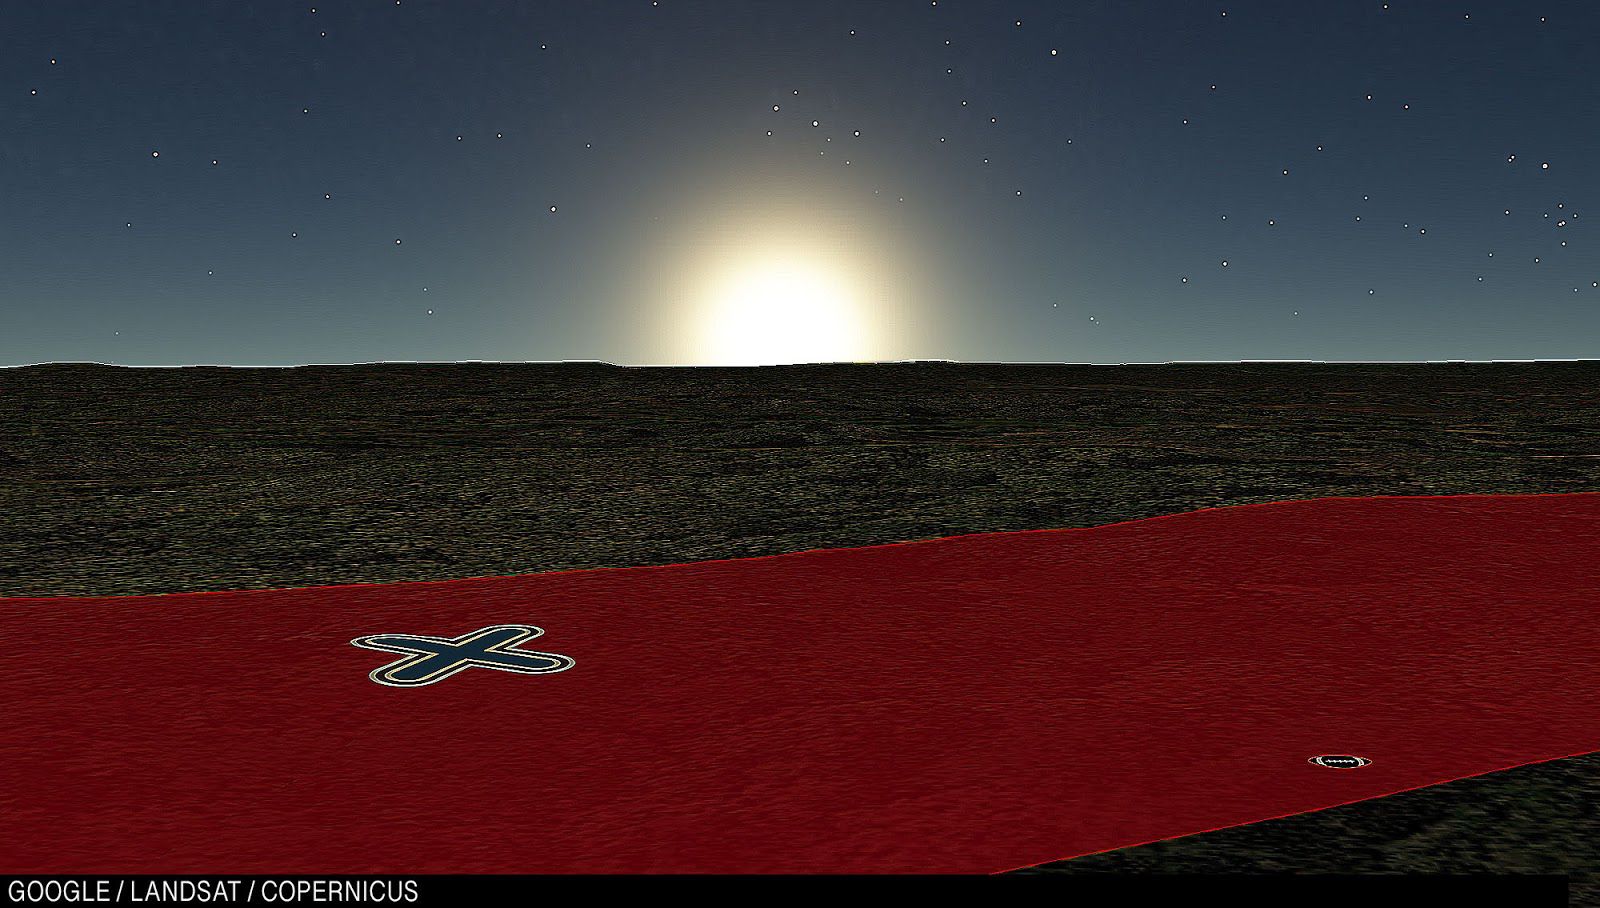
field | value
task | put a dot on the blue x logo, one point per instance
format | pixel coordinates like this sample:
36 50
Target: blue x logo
430 659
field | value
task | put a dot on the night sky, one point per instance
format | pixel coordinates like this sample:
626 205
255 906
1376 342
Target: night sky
745 181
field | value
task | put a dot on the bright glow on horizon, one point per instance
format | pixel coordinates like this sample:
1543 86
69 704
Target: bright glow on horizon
767 269
782 311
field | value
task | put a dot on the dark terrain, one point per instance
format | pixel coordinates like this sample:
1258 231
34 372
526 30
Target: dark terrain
129 481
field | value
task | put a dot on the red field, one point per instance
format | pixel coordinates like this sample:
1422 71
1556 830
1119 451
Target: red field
968 704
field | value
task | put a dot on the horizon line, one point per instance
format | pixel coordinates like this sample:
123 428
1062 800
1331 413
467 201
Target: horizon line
887 362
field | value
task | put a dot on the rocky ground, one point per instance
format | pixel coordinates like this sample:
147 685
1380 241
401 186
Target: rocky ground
128 481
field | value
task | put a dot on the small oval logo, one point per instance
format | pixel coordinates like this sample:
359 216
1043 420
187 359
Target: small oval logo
1339 761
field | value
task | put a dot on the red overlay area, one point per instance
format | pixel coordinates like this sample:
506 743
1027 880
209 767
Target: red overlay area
969 704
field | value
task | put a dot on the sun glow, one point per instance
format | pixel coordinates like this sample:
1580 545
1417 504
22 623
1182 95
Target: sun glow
780 311
771 271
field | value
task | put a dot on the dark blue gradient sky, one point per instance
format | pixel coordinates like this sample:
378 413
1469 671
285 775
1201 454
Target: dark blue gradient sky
1078 207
